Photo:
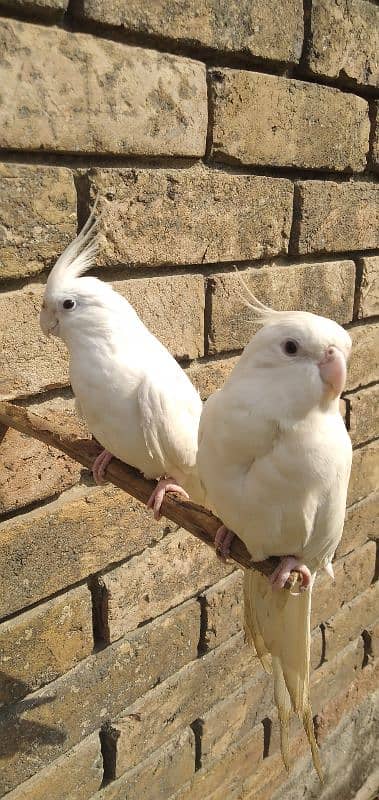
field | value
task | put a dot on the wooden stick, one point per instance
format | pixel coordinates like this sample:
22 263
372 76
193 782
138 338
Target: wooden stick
195 519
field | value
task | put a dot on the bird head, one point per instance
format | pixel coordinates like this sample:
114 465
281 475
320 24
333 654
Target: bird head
305 354
74 304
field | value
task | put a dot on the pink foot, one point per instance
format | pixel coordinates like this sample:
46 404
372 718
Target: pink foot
223 540
100 465
156 498
287 564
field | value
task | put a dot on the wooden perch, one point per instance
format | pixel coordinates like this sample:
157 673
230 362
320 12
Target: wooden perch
195 519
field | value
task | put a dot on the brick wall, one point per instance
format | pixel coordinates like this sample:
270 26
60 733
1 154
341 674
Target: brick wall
217 134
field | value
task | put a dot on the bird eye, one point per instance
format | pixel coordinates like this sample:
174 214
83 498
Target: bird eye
290 347
69 304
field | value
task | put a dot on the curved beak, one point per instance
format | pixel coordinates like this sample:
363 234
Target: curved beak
333 369
48 322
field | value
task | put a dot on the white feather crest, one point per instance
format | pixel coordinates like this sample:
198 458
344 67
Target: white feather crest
262 313
79 256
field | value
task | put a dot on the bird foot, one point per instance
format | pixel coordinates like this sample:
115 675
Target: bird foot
223 540
100 466
156 498
282 573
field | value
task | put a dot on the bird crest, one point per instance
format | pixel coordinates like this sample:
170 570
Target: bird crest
79 256
263 314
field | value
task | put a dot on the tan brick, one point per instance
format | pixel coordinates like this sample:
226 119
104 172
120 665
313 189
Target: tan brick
158 579
42 8
244 27
158 776
369 289
364 360
266 119
76 775
349 622
361 524
37 217
336 217
364 414
30 362
208 376
349 700
374 633
345 40
334 676
113 98
182 698
190 216
82 533
40 645
375 142
325 289
51 721
364 472
353 574
223 605
30 470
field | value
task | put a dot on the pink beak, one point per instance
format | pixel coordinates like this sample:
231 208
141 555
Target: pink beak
333 369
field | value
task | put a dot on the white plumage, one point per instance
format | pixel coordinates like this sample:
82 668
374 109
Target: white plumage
274 458
135 398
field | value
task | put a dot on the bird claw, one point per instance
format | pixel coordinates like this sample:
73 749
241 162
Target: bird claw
157 496
99 466
282 573
223 540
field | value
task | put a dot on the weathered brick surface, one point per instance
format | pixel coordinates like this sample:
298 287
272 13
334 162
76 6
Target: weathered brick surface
361 523
37 217
160 775
158 579
325 289
270 120
246 27
82 534
54 719
364 359
41 644
223 604
210 375
40 8
336 217
369 288
353 574
182 698
375 141
345 40
364 477
114 98
30 470
30 362
76 775
364 414
349 622
190 216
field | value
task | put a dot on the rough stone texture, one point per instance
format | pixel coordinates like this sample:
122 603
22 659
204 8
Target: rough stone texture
345 40
224 610
182 698
248 28
82 533
375 141
335 217
364 359
160 775
41 8
353 574
364 415
30 362
190 216
113 98
349 622
54 719
270 120
369 289
40 645
326 289
364 477
361 523
158 579
29 469
210 375
76 775
37 217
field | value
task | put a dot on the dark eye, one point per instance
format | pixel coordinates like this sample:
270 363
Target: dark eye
290 347
69 304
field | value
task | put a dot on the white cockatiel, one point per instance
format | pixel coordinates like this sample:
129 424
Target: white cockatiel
135 398
274 458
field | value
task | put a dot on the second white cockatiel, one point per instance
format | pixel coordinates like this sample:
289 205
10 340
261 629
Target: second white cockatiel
274 458
136 400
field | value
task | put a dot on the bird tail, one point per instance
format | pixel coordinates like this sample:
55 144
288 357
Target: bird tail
278 623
